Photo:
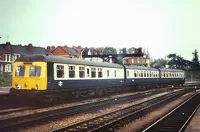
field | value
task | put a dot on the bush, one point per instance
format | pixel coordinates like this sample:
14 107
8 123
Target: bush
192 75
5 81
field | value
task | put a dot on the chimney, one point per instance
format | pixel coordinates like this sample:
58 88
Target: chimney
49 49
52 48
79 48
8 46
30 47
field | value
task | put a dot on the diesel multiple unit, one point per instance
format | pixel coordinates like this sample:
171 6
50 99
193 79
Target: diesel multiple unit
43 74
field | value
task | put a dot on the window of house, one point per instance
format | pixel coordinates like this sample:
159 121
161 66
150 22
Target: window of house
34 71
8 68
147 74
19 71
93 72
71 71
60 71
99 72
9 57
81 72
5 58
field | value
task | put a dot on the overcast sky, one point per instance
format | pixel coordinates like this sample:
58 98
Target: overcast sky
162 26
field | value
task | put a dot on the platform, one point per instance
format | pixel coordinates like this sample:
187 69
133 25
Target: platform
194 125
4 90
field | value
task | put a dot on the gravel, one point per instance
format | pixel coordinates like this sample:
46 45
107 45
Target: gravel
146 120
84 116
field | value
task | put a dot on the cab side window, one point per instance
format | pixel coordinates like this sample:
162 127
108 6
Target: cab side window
19 71
34 71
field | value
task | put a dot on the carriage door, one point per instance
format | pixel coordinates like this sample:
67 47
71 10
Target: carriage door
88 72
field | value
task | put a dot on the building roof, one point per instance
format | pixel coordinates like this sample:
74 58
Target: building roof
19 49
69 50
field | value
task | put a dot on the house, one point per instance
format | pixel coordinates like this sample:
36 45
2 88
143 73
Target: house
142 61
66 51
91 51
9 53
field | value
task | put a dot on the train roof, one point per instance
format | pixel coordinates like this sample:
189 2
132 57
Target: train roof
59 59
141 68
171 70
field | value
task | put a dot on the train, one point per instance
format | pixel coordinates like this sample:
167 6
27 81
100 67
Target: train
56 75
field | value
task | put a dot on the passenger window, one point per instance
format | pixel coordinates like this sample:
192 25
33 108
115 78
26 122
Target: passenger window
100 72
71 71
88 72
107 73
19 71
135 74
81 72
141 74
144 74
60 71
93 72
127 73
34 71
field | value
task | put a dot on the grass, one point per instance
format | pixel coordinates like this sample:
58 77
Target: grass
5 81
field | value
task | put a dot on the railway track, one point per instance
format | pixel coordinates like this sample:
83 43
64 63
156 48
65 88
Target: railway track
54 115
117 119
178 118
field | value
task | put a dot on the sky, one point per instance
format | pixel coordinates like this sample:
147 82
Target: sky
162 26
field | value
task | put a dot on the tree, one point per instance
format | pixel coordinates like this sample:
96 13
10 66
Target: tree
99 50
195 60
132 50
177 62
159 63
109 50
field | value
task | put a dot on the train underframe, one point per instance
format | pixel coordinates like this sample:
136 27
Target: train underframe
70 94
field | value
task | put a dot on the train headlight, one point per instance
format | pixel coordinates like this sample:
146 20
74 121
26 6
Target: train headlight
25 85
37 86
18 86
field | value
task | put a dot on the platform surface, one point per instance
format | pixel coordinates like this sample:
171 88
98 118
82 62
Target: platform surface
194 125
4 90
